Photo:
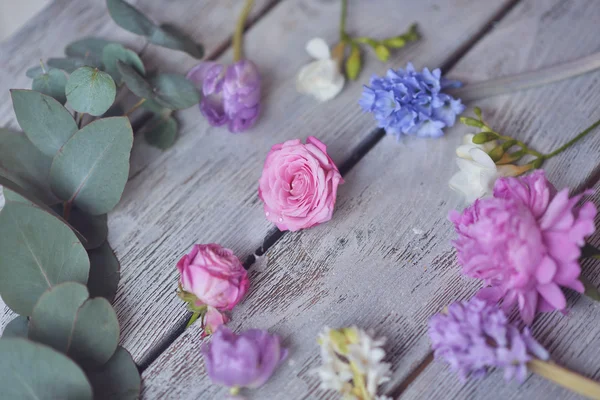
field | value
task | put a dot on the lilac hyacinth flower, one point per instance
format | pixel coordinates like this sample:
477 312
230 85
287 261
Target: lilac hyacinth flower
475 335
406 102
231 93
246 360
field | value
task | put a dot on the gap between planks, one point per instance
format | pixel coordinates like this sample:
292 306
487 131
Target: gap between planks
346 166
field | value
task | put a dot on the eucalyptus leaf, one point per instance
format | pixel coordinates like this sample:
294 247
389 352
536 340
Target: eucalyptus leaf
162 132
69 64
118 379
105 272
89 48
130 18
93 228
38 252
66 319
115 52
52 84
47 124
171 37
134 81
174 91
25 165
92 168
34 72
90 91
18 327
41 373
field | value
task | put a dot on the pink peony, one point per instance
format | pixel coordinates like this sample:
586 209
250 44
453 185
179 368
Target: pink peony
299 184
212 279
524 243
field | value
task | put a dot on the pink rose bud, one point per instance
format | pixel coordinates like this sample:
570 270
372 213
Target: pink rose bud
299 184
213 319
211 277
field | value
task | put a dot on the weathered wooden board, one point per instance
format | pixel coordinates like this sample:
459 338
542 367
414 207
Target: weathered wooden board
63 21
385 260
204 189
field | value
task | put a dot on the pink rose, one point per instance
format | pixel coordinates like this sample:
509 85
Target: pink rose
214 275
299 184
213 319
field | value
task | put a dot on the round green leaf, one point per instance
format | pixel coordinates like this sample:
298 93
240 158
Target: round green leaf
70 64
45 121
174 91
162 132
91 91
22 163
171 37
38 252
89 48
134 81
129 18
34 72
18 327
93 228
105 272
118 379
66 319
52 84
91 169
33 371
115 52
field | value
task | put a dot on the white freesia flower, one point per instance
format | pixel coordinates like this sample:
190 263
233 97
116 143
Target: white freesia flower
321 78
478 172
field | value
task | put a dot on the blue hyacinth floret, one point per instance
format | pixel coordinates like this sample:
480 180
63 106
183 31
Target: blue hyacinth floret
406 102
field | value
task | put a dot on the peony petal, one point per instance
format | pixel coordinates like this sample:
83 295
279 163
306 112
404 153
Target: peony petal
553 295
546 270
318 48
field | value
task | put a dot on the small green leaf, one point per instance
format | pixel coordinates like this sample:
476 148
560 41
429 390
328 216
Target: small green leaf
41 373
174 91
38 252
45 121
34 72
105 272
471 122
353 63
118 379
134 81
115 52
18 327
89 48
66 319
22 163
90 91
171 37
130 18
92 168
93 228
162 132
383 53
52 84
70 64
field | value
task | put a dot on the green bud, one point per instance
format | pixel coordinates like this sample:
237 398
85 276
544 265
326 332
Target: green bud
508 144
353 63
537 163
351 335
477 112
383 53
413 33
395 42
471 122
484 137
371 42
338 51
496 153
339 341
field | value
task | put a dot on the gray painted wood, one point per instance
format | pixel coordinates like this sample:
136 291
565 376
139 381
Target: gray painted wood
385 261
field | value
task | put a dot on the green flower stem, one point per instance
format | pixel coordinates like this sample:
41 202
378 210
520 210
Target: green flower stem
573 141
239 31
565 378
522 145
43 66
343 34
134 107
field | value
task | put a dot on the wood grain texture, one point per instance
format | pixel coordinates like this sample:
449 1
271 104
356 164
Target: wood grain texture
385 261
205 188
64 21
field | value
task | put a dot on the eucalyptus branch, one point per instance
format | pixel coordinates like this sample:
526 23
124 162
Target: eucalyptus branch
134 107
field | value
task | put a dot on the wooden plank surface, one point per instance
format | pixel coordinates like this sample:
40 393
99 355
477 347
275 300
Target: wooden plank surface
64 21
385 260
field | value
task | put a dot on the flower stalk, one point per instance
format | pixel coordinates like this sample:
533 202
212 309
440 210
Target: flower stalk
565 378
238 53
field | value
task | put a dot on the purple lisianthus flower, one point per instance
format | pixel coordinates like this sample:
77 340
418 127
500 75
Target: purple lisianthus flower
231 93
475 335
246 360
406 102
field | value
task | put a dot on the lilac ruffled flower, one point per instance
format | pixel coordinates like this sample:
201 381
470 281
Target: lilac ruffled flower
231 93
406 102
246 360
475 335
